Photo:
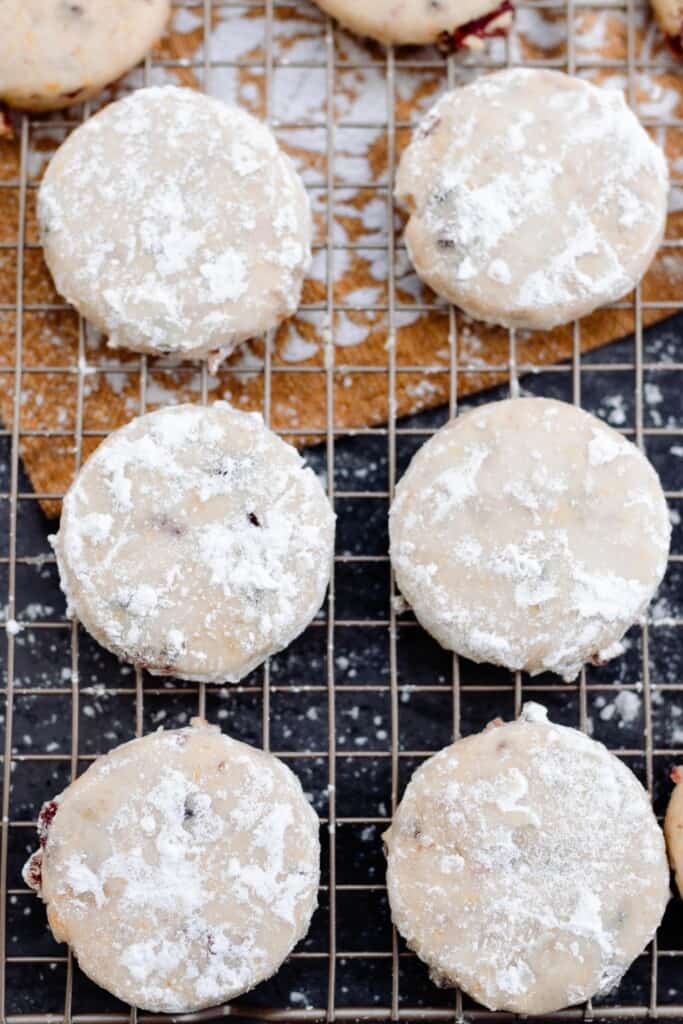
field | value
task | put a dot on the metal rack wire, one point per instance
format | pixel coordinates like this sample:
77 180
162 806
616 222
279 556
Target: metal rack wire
338 974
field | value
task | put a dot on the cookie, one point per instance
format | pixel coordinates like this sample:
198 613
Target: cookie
525 865
54 53
195 543
529 534
673 827
174 223
533 198
181 868
452 24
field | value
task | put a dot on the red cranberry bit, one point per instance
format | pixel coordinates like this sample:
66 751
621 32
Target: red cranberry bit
72 94
676 774
253 519
45 819
478 28
33 873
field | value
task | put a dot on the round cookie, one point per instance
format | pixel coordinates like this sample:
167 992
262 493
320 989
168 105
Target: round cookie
529 534
173 222
673 827
526 866
181 868
534 197
195 543
450 23
54 53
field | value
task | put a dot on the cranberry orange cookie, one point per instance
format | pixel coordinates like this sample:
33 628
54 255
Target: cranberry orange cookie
54 53
181 868
526 866
451 24
673 827
534 197
194 542
529 534
174 223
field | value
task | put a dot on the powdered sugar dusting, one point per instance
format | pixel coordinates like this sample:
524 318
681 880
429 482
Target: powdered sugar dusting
529 534
198 227
195 542
182 868
554 205
562 875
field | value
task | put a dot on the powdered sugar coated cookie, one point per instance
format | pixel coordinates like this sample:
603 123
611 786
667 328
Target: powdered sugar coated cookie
181 868
525 865
175 224
54 53
194 542
534 197
529 534
451 23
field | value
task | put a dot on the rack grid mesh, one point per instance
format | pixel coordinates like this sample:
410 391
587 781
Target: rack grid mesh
373 663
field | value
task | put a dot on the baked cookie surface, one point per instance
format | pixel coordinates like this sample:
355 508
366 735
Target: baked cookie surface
533 198
451 23
194 542
673 827
175 224
529 534
525 865
181 868
54 53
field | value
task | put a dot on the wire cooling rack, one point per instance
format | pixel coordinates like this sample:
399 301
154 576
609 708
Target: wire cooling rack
364 695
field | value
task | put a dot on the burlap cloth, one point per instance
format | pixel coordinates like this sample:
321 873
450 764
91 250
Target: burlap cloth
360 335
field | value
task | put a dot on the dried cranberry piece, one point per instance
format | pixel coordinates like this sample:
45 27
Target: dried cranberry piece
45 819
478 28
72 94
253 519
33 871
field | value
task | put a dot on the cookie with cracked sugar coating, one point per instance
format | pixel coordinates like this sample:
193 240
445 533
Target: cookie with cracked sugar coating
194 542
181 868
452 24
533 198
54 53
525 865
175 224
529 534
